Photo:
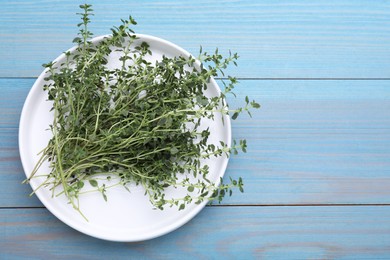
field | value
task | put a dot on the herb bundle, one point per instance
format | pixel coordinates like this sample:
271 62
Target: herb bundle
136 124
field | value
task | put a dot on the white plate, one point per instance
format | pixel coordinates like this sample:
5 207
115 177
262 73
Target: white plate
126 216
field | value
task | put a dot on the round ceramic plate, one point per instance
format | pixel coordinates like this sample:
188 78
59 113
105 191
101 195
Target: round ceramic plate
126 216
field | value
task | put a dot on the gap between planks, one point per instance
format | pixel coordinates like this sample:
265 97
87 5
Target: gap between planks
254 78
256 205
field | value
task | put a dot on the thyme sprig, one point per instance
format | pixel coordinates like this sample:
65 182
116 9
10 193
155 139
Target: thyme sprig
139 123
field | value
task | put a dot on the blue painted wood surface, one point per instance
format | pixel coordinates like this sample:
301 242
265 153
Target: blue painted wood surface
328 232
311 142
275 39
317 170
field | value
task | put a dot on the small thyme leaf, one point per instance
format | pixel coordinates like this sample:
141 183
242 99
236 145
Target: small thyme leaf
93 183
235 115
80 185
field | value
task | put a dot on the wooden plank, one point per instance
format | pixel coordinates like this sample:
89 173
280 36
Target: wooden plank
278 39
217 232
13 93
298 104
15 194
316 142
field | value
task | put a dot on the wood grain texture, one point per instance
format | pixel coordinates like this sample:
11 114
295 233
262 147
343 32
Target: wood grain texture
217 232
289 38
312 142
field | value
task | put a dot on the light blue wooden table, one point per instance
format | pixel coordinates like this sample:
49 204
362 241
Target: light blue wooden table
317 171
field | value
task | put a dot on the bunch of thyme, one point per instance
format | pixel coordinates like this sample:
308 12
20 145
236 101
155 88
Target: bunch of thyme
139 123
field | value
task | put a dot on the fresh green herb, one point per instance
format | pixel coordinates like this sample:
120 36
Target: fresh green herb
140 123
